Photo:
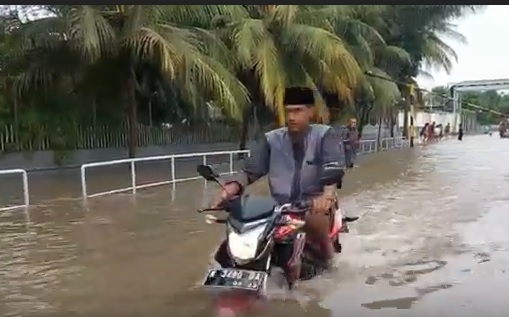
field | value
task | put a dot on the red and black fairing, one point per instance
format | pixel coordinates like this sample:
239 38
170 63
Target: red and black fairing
296 253
287 245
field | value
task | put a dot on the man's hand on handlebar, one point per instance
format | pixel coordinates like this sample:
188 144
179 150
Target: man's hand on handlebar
229 191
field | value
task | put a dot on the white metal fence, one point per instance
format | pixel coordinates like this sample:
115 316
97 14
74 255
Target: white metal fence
372 146
173 179
365 146
26 196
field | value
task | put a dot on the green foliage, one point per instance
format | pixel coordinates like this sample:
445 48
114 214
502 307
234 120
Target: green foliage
488 99
69 65
491 100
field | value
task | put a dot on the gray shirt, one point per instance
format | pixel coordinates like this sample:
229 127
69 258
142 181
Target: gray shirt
257 166
352 137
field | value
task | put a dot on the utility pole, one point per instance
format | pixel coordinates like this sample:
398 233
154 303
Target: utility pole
411 97
405 115
455 106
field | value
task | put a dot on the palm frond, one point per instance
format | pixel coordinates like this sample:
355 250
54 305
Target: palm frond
89 32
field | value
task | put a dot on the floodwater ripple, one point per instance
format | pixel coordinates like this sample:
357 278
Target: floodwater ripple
430 220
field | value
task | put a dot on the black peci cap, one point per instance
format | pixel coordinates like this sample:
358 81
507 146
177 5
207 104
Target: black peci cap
299 96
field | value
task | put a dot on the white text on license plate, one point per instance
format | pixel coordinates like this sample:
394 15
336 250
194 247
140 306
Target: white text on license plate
237 274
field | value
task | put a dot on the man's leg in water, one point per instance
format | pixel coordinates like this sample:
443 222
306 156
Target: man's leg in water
317 227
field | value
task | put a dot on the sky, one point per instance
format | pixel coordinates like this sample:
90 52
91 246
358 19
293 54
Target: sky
485 56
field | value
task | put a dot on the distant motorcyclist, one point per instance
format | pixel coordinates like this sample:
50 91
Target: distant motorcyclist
292 157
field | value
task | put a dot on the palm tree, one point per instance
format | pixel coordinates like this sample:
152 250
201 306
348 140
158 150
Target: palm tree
418 30
279 45
275 46
104 47
357 25
128 52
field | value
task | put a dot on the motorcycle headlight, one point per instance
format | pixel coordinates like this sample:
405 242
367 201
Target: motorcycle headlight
243 246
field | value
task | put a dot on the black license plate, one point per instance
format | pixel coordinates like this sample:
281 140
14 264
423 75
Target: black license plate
235 279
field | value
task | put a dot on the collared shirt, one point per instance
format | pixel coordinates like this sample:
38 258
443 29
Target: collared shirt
352 137
257 165
298 158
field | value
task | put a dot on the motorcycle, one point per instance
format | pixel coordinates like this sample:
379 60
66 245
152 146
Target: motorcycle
261 234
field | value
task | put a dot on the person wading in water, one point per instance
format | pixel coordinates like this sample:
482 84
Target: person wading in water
460 132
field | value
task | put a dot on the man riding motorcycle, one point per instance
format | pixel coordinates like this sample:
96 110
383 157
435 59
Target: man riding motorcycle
292 157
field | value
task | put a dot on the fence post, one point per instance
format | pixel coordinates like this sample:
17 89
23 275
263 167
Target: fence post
173 173
133 176
24 177
26 196
231 163
83 182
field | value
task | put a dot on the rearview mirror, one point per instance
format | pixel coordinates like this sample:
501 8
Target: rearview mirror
207 172
332 175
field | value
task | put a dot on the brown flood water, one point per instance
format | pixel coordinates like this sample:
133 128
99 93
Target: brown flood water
432 239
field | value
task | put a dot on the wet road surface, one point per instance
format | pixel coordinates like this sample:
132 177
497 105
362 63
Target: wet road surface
432 239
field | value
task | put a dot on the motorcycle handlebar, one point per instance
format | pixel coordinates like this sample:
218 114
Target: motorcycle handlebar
210 209
288 208
296 207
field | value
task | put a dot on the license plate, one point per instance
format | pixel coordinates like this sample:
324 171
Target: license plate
235 279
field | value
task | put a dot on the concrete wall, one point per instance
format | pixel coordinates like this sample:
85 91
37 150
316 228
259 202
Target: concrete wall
468 119
41 160
44 160
422 117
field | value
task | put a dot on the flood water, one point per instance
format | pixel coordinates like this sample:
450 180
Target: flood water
432 239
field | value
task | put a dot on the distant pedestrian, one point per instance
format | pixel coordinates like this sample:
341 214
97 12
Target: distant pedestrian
423 132
502 127
447 129
351 142
432 132
460 132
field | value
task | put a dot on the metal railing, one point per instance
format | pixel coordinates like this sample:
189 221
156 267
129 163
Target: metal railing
372 146
26 196
173 179
393 143
365 146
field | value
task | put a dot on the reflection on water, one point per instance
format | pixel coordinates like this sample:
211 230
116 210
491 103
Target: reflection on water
142 255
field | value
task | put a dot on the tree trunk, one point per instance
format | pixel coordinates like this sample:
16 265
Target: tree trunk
363 118
244 133
379 135
392 123
405 114
12 93
132 115
94 112
150 122
16 119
